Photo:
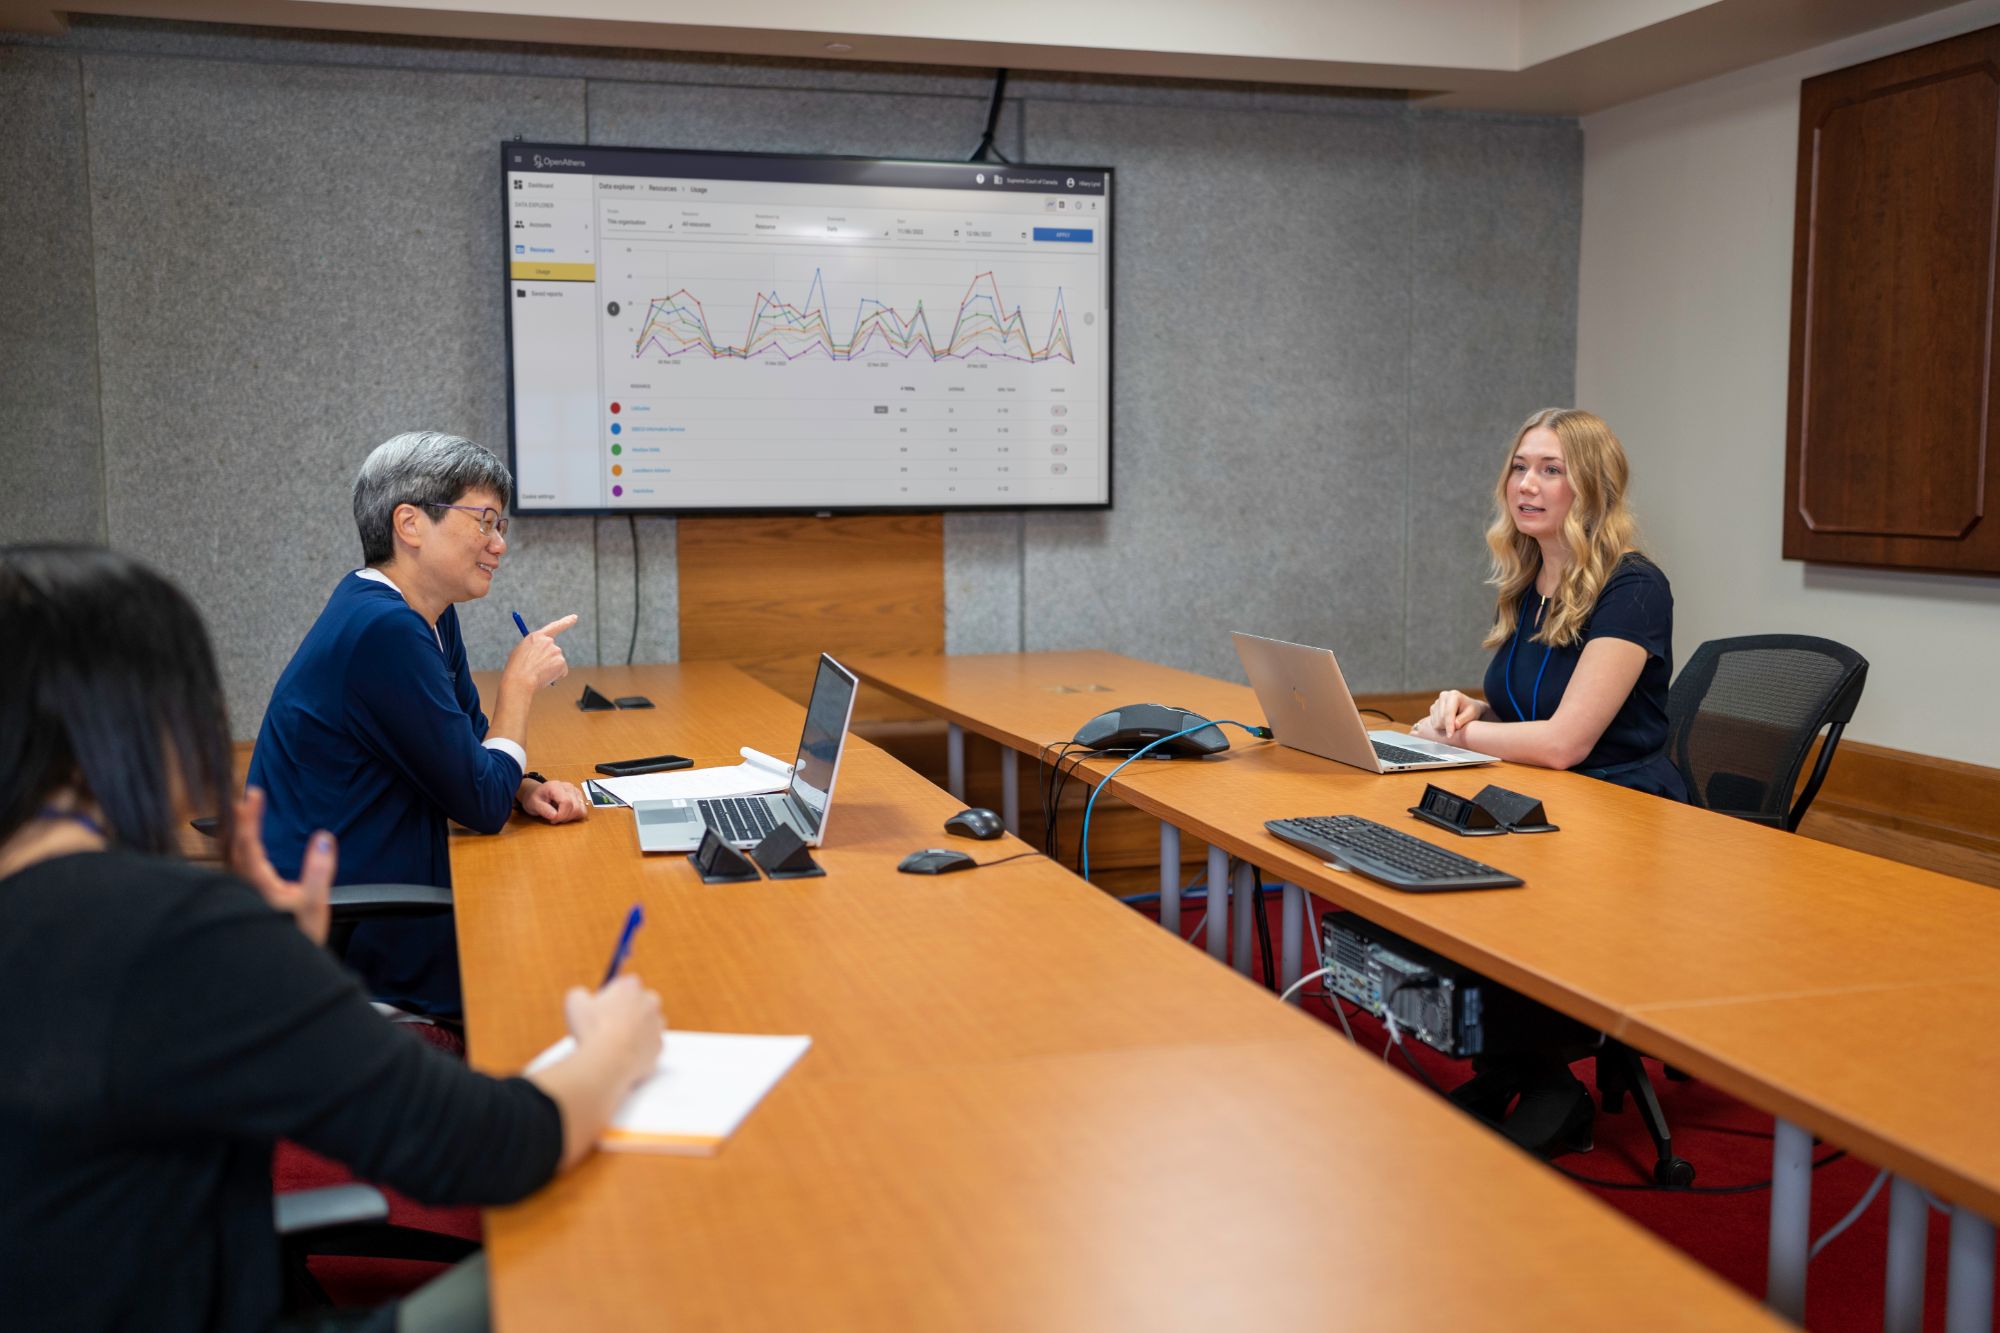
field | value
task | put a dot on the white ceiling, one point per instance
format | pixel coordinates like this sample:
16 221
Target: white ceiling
1567 56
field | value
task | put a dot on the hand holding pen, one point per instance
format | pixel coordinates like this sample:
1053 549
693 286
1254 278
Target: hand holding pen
620 1021
537 659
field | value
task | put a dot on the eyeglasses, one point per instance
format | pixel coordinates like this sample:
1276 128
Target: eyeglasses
490 520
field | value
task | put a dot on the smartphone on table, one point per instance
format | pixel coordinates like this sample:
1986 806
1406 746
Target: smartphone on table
659 763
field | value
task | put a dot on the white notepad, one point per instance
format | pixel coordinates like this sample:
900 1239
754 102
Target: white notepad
757 774
703 1087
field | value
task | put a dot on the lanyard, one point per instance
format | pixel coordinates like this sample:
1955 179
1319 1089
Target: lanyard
1535 696
74 816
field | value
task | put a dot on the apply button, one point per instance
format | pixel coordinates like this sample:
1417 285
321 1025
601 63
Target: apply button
1082 234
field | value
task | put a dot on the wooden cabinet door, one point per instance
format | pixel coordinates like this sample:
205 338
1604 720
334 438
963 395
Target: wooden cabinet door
1889 450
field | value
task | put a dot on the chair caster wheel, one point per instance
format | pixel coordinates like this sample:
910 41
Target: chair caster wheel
1674 1173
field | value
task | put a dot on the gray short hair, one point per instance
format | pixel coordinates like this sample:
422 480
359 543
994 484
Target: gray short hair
420 467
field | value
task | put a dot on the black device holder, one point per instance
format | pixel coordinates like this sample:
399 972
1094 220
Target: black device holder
1449 810
1517 813
784 855
590 701
1494 810
719 863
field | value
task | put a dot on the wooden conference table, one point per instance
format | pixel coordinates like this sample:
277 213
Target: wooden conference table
1757 960
1024 1106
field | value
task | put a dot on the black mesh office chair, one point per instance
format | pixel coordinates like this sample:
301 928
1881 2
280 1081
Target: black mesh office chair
1741 719
1743 714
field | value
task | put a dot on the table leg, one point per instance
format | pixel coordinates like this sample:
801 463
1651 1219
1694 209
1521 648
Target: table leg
1968 1284
1296 924
1170 877
954 759
1010 789
1903 1288
1246 905
1218 902
1791 1221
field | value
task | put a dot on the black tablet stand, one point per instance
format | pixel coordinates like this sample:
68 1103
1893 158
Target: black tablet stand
719 863
783 855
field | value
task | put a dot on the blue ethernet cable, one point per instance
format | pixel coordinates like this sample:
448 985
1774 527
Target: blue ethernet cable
1261 733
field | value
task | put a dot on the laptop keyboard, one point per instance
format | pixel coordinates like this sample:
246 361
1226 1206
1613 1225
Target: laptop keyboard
738 818
1396 754
1388 855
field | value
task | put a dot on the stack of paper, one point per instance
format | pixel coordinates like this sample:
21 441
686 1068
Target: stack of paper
703 1087
757 773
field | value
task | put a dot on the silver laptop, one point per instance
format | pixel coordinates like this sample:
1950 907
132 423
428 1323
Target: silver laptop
743 821
1308 705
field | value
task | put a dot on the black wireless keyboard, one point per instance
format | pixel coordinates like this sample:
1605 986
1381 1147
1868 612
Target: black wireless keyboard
1388 855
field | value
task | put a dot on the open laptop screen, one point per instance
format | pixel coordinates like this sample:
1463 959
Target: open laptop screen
827 714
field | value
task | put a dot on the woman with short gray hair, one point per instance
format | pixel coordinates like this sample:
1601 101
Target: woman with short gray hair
375 730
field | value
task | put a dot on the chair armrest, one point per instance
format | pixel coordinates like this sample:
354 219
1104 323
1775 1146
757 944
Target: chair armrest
356 902
330 1206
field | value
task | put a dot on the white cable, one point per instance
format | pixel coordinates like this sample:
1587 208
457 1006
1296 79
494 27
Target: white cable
1853 1213
1292 989
1319 956
1334 999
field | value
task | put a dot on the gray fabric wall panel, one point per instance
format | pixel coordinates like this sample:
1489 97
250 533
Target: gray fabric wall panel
49 434
982 583
1493 337
778 120
659 637
1262 271
301 262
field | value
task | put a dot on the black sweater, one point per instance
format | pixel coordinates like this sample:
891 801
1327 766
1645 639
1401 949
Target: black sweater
160 1027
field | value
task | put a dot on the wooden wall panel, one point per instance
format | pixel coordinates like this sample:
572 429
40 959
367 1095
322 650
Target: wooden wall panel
770 594
1889 455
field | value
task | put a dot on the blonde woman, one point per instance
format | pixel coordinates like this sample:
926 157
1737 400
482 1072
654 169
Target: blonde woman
1583 623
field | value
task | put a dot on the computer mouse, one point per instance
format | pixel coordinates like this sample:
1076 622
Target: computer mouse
978 822
935 861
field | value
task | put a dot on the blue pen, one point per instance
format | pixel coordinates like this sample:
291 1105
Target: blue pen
521 624
633 921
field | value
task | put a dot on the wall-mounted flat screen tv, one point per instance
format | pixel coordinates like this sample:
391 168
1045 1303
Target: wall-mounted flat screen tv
697 332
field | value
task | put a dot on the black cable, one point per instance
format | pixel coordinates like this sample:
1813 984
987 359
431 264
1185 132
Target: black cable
1046 787
631 646
1751 1188
980 153
1423 1074
1377 712
1077 758
1263 930
1043 785
981 865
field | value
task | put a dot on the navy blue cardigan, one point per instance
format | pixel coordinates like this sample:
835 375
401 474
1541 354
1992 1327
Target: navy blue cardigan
375 733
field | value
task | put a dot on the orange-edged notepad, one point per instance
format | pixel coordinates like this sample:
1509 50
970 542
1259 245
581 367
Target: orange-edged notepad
703 1087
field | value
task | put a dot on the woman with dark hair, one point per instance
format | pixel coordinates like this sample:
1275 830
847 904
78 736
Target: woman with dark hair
161 1025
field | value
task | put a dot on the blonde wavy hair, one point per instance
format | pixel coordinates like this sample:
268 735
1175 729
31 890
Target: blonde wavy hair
1599 530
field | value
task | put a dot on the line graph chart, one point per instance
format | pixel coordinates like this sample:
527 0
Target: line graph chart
982 326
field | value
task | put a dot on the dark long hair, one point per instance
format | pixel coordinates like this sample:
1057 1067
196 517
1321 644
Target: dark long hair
107 684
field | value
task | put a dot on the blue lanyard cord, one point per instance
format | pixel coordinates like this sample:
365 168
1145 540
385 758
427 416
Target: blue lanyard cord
1095 792
1535 698
75 817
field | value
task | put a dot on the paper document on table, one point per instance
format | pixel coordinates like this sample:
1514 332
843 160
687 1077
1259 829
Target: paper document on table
757 773
703 1087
